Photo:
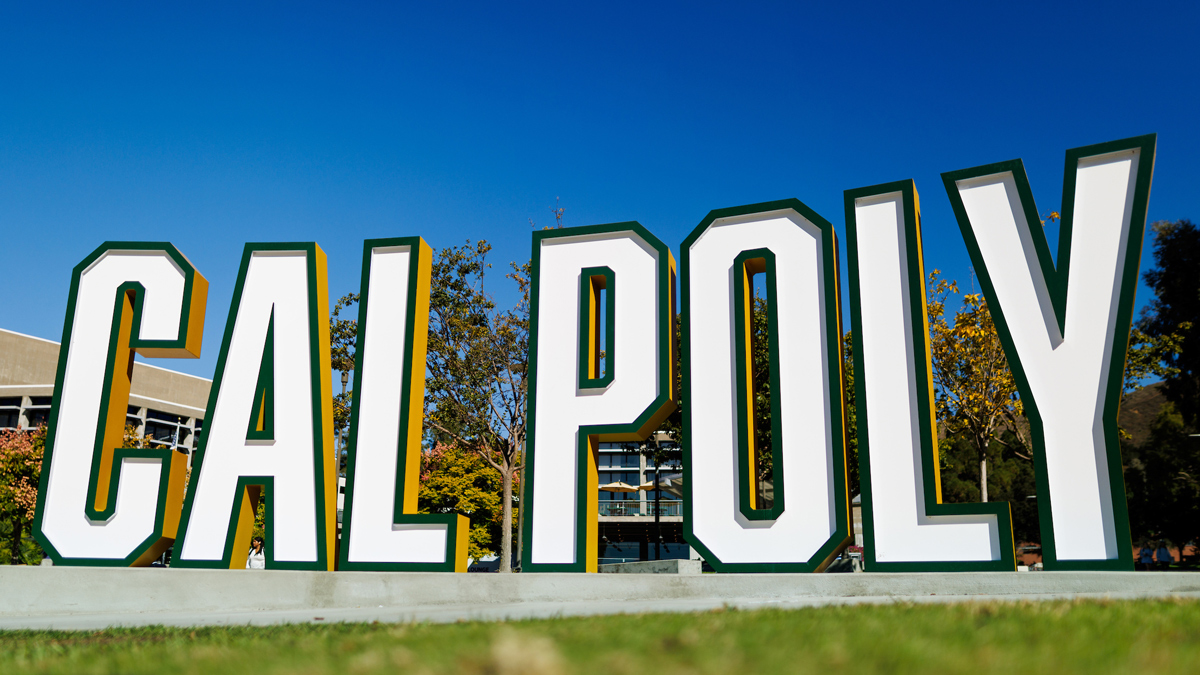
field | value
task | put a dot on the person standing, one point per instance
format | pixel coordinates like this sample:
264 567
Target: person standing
256 559
1146 557
1163 556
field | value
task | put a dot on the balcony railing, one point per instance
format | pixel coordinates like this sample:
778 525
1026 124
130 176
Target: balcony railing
633 507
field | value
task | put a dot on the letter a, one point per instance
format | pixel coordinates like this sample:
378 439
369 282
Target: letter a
270 426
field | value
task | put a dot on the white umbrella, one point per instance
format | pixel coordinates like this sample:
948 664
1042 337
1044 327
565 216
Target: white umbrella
619 487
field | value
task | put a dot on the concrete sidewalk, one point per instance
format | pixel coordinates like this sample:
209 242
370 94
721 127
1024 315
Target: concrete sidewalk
91 598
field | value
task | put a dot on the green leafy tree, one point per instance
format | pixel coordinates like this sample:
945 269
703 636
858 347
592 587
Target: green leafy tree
1162 476
454 480
1010 478
848 401
1163 481
476 369
760 377
1150 356
343 340
1173 314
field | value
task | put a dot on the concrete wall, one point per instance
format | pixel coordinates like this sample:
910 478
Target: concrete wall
62 597
27 361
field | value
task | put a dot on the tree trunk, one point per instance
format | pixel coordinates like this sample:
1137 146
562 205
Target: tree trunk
18 528
506 522
521 521
983 476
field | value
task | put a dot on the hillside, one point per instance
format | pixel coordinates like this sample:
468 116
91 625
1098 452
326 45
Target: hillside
1139 409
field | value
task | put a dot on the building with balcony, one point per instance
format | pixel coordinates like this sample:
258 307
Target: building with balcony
629 529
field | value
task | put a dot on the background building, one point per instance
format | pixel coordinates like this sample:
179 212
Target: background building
627 527
165 406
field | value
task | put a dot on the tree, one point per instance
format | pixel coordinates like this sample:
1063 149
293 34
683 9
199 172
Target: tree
848 403
1174 311
1163 474
980 411
476 368
983 449
976 393
760 376
20 469
1010 478
454 480
343 339
1163 481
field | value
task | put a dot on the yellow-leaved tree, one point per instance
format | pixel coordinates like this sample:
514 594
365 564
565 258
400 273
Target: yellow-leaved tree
977 396
976 393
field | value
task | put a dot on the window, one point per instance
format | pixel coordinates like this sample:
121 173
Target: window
165 417
38 411
10 412
166 428
669 466
161 433
630 477
624 460
37 416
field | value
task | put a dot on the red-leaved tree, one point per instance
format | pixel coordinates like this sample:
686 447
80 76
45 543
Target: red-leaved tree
20 469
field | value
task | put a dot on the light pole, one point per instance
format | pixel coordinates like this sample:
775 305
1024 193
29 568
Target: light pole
341 442
657 514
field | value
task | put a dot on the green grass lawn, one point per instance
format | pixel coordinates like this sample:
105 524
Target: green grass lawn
1050 637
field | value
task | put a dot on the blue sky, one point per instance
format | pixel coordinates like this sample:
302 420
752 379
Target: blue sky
217 124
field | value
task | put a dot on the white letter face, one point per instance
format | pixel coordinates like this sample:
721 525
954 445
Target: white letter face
570 408
796 249
380 528
270 419
1065 331
905 525
100 503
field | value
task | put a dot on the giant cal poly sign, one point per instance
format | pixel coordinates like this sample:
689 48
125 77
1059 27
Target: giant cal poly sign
268 434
